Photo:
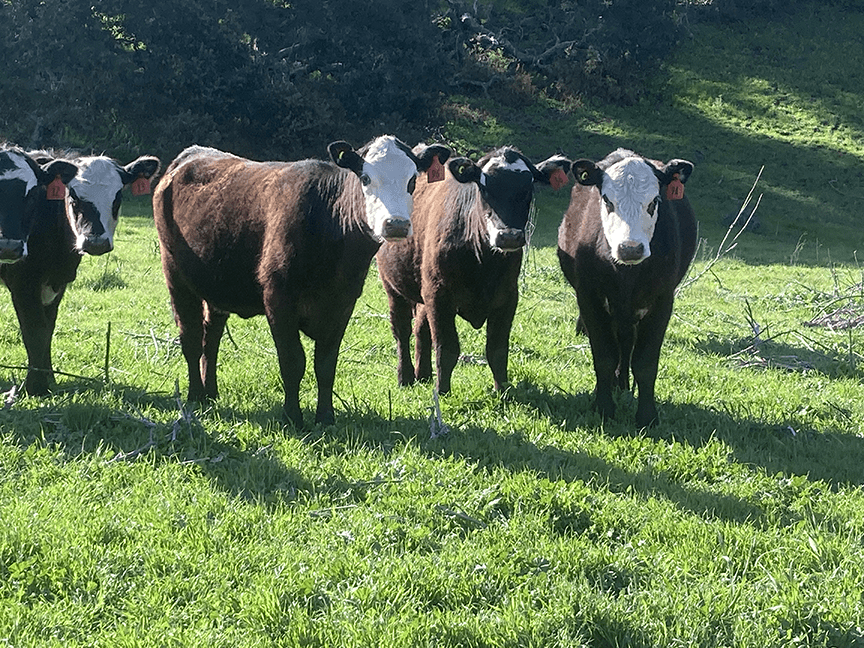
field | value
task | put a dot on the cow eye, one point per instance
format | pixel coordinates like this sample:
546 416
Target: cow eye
365 179
609 205
412 183
652 207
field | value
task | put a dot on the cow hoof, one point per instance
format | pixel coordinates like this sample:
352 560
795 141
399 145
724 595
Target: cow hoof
647 420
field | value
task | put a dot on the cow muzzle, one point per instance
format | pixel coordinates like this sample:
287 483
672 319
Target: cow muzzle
12 250
631 252
508 239
394 229
96 245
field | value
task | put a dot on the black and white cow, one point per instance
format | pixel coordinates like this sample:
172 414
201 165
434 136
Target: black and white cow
624 244
95 194
34 251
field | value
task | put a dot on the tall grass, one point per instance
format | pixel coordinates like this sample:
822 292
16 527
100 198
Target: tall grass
128 520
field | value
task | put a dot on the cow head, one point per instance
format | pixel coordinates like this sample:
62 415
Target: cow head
23 184
505 179
387 170
94 199
632 191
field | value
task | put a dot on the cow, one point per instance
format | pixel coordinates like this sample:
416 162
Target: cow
94 196
289 240
624 244
35 240
463 259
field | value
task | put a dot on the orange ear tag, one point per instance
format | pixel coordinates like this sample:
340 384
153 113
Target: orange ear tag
141 186
675 190
558 179
435 173
56 190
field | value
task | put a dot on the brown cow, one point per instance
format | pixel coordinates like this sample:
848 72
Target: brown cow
289 240
624 244
463 259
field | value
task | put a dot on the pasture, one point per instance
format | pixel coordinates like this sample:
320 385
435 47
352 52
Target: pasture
129 520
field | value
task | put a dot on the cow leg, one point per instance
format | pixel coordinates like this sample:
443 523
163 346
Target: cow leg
400 324
326 357
445 339
423 342
646 358
214 327
189 315
625 334
37 327
498 326
285 329
604 352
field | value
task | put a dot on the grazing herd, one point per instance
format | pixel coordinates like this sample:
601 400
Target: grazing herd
293 241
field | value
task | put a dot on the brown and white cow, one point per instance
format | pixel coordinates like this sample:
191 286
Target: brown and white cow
289 240
35 245
625 243
463 259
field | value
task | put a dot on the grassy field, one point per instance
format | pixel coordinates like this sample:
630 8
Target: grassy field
738 521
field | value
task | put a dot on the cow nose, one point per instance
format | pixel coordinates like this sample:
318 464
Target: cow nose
11 250
509 239
395 228
631 252
96 245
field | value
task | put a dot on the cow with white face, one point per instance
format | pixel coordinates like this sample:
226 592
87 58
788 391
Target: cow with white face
93 203
463 259
624 244
288 240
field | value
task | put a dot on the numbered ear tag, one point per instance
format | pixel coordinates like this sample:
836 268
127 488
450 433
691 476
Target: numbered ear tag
56 190
558 179
435 173
141 186
675 190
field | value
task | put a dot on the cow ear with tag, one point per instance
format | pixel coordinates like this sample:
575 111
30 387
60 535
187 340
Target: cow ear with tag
554 171
141 186
464 170
56 190
435 172
344 155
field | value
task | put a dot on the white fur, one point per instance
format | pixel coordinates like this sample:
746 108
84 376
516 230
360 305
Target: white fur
631 186
389 169
22 171
98 183
500 162
48 294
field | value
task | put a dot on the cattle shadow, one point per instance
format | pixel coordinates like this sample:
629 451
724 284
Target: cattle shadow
832 456
776 354
155 427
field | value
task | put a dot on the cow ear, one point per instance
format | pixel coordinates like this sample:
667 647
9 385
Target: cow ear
553 171
464 170
427 154
57 168
343 155
145 166
682 168
587 173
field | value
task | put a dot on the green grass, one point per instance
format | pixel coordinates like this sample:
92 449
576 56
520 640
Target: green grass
738 521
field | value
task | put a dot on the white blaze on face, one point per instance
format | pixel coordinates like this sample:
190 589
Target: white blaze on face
388 170
628 207
97 184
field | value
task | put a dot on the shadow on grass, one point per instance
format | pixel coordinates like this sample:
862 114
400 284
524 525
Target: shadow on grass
786 448
122 432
